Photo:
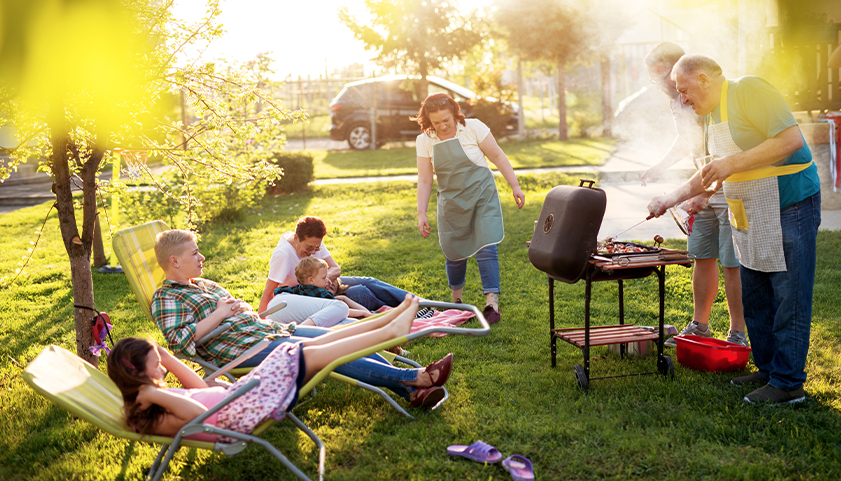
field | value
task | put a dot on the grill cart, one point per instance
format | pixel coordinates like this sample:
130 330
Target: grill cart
564 246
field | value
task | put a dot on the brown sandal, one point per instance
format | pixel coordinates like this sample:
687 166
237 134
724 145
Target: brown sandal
427 397
443 367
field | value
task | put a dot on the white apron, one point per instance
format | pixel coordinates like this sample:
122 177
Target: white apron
754 201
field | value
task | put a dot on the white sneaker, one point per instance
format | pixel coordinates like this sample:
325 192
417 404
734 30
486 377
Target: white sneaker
738 338
691 329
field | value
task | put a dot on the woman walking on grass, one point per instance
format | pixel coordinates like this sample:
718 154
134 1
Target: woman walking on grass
469 210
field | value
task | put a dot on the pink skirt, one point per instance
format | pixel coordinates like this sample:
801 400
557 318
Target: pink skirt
281 376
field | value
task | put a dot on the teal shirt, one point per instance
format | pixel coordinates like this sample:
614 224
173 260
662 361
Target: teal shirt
757 112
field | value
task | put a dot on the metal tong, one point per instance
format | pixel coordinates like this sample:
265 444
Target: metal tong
609 239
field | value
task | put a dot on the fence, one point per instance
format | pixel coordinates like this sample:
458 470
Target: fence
311 94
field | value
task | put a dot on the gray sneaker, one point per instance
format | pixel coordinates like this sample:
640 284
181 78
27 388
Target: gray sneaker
768 394
737 337
749 379
691 329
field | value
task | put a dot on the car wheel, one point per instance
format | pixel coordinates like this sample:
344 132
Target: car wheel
359 137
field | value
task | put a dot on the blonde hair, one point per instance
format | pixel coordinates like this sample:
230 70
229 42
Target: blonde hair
170 243
308 267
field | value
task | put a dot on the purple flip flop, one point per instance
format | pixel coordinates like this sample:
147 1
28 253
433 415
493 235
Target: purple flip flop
479 451
519 467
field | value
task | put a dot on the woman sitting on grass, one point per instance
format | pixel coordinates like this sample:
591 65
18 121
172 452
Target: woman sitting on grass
311 273
138 368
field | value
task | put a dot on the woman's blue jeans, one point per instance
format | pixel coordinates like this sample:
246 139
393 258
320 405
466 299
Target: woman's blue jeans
488 260
373 293
778 305
374 369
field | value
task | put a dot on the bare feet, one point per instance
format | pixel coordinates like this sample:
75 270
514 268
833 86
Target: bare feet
407 310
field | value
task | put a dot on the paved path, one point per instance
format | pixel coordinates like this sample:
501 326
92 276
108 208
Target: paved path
626 198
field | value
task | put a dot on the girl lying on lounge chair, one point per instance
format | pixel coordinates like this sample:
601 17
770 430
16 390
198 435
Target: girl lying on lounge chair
138 367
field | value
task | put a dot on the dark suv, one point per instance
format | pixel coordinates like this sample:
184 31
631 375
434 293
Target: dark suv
398 99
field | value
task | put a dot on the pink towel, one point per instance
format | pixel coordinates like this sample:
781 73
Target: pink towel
448 318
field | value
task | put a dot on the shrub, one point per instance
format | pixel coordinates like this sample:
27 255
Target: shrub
493 113
215 201
298 172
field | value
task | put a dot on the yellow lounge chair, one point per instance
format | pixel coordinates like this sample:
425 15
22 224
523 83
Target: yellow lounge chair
82 389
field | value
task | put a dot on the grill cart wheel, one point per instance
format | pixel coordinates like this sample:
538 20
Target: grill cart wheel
581 377
666 366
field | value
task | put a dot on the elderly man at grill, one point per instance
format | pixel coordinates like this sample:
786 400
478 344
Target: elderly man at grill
710 236
773 191
187 307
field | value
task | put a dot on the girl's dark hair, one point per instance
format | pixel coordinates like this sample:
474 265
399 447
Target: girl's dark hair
434 103
126 364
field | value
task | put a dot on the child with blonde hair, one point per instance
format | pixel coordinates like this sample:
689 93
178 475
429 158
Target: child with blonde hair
311 273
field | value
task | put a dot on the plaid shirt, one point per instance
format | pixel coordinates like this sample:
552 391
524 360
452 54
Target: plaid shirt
177 308
305 290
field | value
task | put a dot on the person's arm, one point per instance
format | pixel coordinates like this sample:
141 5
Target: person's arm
765 154
179 409
678 151
661 203
225 307
188 378
497 157
355 309
268 293
333 269
425 179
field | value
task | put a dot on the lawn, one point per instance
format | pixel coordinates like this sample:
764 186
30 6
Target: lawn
398 160
502 389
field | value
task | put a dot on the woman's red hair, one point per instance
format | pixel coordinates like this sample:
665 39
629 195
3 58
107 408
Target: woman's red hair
434 103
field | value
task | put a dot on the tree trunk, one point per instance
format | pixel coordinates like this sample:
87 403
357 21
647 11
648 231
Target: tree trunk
78 248
99 258
424 84
607 102
563 132
521 118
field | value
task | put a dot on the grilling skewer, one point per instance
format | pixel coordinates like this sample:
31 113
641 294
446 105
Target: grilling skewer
610 239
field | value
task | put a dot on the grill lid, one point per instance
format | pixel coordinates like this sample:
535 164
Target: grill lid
565 234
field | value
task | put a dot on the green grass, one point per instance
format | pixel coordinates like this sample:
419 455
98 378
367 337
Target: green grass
398 160
502 389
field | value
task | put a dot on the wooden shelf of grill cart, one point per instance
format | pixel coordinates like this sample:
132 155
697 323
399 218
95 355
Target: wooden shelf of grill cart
605 335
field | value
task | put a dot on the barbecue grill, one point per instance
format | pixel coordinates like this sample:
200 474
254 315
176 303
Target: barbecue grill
564 246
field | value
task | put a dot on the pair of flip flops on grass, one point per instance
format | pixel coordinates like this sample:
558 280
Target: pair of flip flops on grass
481 452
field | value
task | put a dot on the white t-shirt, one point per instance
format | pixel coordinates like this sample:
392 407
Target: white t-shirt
285 258
469 135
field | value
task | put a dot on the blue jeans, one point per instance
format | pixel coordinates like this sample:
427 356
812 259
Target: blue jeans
488 260
778 305
374 369
373 293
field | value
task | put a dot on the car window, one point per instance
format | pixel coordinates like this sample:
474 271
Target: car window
410 91
353 95
434 89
